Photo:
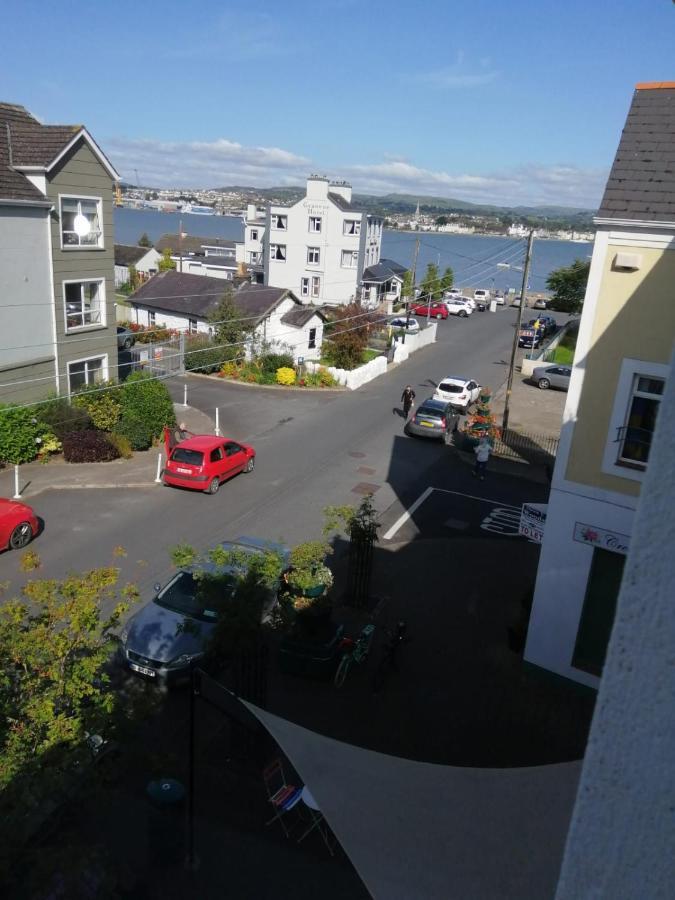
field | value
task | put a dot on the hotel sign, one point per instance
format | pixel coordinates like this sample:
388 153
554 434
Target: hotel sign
532 521
600 537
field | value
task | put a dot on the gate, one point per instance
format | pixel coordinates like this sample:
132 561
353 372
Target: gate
160 359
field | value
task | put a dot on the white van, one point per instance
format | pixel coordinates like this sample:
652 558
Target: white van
481 296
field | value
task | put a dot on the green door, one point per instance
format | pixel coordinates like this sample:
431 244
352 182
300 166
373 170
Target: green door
597 616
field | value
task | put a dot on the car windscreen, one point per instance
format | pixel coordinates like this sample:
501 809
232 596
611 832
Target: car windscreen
190 457
430 412
451 388
200 598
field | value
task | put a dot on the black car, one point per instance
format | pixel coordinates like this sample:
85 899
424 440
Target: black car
433 418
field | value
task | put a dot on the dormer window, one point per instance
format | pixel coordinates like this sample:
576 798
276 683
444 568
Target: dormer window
81 223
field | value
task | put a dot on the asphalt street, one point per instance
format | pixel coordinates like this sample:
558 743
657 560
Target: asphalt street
314 448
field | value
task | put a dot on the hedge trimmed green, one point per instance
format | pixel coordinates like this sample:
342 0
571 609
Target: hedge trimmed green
147 402
19 430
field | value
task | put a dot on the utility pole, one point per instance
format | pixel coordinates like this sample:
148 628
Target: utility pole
412 288
516 334
180 245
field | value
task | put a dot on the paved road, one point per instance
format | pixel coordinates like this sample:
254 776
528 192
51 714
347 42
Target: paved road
314 449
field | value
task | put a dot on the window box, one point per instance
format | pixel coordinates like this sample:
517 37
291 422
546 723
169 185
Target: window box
313 256
84 304
81 227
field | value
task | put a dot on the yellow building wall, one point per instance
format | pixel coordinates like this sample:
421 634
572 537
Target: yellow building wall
634 318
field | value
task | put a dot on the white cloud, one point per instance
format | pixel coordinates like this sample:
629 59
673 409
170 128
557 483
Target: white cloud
457 75
225 162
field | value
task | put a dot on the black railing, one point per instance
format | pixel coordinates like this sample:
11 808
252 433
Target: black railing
526 447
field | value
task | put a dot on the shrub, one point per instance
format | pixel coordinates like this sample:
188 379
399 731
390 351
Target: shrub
49 443
203 355
148 402
88 446
103 406
285 375
122 444
229 370
60 417
325 378
267 378
270 362
135 430
19 433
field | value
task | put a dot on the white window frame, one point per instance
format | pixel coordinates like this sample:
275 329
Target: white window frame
304 287
273 250
87 359
315 224
193 326
253 234
349 222
314 251
152 318
99 211
311 339
277 219
316 286
102 304
630 368
349 254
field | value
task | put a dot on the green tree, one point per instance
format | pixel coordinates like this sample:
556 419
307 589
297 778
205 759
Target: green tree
448 279
346 337
144 240
442 220
568 285
407 286
166 263
431 283
231 331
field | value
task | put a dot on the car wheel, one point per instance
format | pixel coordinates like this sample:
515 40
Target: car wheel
462 314
249 465
21 536
214 484
543 384
128 343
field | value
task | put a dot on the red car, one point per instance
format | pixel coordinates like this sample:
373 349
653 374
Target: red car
438 310
18 524
203 462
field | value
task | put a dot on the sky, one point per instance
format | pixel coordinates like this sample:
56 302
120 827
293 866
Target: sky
511 103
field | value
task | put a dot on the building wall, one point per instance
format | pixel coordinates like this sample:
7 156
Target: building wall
26 320
634 317
81 174
274 331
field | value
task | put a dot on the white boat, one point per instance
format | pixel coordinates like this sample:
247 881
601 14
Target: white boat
198 210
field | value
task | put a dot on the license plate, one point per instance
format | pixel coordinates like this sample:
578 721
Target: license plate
427 424
183 471
143 670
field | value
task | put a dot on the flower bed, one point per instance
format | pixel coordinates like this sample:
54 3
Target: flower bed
287 376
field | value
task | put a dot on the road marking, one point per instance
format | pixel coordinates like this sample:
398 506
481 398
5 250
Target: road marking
503 520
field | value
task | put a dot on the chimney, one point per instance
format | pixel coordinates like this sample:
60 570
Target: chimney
251 211
317 187
343 188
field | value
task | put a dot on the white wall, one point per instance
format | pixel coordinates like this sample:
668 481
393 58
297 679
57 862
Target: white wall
355 378
166 320
274 331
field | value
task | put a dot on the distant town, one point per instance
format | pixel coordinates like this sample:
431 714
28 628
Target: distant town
429 214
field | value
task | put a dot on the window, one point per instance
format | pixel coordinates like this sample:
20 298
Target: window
254 259
635 436
313 256
85 305
304 287
280 222
85 372
278 252
315 224
192 326
312 338
81 222
254 234
351 226
350 259
316 285
152 317
216 454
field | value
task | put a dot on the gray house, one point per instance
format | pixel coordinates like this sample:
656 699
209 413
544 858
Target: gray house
57 315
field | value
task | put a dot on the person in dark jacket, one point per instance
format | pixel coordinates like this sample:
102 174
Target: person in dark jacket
407 398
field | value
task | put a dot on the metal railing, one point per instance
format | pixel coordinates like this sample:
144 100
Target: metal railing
526 447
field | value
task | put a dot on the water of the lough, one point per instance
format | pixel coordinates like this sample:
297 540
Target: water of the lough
474 258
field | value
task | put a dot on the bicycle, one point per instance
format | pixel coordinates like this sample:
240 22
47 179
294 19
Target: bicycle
395 637
354 651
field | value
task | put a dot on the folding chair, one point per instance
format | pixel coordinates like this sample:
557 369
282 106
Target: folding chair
280 794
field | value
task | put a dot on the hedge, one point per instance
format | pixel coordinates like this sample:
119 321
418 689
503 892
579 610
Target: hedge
19 431
88 446
145 401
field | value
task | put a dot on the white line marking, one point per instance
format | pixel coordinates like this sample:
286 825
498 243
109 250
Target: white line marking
407 514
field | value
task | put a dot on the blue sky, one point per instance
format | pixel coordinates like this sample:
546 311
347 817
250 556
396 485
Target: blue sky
507 102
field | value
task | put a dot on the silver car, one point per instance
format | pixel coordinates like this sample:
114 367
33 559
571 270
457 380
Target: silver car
433 418
552 376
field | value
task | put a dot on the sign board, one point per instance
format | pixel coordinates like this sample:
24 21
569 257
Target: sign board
533 521
600 537
301 360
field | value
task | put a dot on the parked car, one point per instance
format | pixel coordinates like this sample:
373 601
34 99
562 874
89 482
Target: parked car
402 323
434 419
436 310
453 292
552 376
125 338
499 298
516 301
203 462
468 301
540 303
482 295
172 631
547 325
460 392
457 307
530 338
18 524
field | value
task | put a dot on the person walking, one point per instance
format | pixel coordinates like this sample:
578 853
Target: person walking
407 398
482 451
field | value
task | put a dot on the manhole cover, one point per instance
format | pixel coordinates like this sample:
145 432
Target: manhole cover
363 487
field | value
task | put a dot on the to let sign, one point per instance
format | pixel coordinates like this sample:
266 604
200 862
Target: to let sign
600 537
532 521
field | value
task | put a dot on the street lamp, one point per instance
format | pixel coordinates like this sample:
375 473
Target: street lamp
514 350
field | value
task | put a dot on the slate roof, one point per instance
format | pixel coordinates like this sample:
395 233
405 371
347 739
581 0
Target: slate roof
191 243
641 184
129 256
383 271
340 201
299 316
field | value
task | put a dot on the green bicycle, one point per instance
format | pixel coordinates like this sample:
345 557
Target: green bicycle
354 651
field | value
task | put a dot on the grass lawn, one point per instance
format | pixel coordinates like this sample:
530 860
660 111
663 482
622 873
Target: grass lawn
370 354
563 355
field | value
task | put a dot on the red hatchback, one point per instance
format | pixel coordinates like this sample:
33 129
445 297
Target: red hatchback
202 462
18 524
438 310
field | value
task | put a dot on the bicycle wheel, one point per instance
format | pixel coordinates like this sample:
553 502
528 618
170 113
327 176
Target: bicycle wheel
342 670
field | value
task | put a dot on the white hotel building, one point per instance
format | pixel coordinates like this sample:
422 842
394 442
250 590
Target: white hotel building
319 247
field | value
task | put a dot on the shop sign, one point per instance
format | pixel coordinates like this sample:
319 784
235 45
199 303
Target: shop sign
600 537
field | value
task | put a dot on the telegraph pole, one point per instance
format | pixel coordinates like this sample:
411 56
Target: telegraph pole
180 245
412 288
516 334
